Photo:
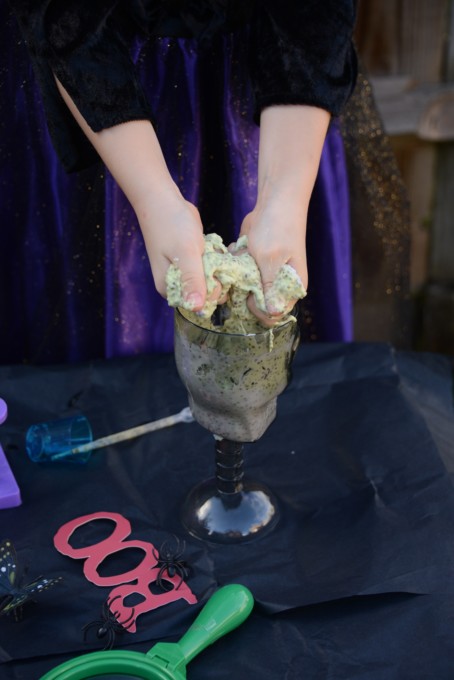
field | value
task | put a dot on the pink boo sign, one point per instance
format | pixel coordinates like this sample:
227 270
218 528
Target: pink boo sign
135 581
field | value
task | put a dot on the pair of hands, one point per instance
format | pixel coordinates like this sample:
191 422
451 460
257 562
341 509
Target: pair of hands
276 231
291 141
290 148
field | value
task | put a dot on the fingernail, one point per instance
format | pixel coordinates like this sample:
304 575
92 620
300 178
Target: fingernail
276 305
194 300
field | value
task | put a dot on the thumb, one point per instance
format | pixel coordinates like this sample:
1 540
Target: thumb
266 315
193 283
268 272
289 285
246 224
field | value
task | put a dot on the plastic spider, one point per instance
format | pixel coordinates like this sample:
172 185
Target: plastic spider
108 626
170 563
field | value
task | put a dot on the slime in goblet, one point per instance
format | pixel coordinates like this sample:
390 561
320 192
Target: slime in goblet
233 382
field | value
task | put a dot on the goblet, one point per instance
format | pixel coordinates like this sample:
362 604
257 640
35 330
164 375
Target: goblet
233 382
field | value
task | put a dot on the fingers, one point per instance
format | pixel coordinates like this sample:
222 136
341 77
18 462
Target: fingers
175 247
195 293
276 239
216 294
283 287
192 279
265 319
272 315
184 274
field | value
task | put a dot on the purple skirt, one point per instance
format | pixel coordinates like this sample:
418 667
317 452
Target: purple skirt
75 279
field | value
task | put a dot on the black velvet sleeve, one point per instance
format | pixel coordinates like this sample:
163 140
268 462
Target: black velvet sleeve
86 48
302 53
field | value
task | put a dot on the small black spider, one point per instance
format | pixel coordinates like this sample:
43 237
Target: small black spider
170 563
109 625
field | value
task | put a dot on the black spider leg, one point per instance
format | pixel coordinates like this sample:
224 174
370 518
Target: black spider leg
161 581
169 563
109 625
129 619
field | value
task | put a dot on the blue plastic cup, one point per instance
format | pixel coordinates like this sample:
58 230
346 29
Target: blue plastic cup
45 441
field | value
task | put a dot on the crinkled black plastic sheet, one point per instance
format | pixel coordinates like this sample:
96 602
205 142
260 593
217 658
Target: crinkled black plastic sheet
356 581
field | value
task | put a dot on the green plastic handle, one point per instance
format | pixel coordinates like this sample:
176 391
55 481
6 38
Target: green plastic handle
224 611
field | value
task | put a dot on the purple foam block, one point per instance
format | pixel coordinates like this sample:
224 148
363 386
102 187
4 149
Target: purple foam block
9 491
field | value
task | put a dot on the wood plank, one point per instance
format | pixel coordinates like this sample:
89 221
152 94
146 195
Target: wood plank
377 35
403 37
422 32
407 109
407 48
449 63
437 120
437 333
416 161
442 248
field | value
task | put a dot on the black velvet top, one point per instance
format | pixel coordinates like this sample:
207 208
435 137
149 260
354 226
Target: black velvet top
300 52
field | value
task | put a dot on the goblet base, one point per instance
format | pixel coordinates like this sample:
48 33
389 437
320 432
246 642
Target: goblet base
218 517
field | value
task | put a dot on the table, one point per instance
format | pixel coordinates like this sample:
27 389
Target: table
356 581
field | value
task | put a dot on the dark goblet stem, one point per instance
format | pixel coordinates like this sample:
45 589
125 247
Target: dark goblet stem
229 467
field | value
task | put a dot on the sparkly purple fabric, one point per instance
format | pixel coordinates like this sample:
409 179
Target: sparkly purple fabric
75 282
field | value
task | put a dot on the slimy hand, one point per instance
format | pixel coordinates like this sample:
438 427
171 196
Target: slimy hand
238 276
276 241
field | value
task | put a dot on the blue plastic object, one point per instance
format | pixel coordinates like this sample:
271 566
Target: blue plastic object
45 441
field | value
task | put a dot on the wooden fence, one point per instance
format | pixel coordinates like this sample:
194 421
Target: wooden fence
407 50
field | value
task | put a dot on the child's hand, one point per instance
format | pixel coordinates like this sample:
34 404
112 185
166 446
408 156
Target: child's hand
276 236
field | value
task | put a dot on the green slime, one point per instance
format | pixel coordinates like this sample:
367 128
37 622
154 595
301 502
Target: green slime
239 276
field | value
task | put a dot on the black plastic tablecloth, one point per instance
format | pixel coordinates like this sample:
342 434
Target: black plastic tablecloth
356 581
